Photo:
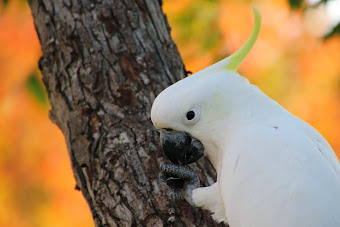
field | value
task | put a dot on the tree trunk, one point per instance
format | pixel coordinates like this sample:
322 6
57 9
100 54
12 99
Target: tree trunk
103 64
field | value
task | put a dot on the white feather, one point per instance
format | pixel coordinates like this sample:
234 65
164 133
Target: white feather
273 169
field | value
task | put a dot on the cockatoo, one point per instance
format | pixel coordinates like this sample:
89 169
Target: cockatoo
273 169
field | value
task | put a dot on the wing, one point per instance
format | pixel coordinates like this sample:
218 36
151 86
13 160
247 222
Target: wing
280 173
321 144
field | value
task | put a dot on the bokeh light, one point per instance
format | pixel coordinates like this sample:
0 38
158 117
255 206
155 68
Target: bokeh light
36 180
290 62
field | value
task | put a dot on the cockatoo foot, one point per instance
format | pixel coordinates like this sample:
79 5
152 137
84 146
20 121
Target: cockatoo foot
181 179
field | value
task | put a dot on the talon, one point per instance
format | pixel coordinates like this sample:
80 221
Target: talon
176 195
172 180
162 166
177 170
181 178
163 178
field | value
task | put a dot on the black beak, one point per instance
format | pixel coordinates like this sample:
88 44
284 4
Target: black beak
181 147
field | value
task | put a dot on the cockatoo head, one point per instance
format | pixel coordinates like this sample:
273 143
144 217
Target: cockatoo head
189 113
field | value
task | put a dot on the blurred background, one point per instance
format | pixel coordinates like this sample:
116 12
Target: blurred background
296 61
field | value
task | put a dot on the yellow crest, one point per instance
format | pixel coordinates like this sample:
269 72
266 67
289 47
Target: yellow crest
237 57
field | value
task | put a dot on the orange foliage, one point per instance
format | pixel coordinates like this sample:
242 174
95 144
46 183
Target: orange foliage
37 184
288 63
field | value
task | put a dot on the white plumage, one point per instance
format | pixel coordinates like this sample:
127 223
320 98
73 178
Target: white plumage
273 169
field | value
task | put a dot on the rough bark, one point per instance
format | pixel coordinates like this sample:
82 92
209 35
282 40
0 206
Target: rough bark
103 64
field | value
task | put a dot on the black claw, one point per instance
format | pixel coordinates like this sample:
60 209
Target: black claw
180 178
176 195
172 181
179 171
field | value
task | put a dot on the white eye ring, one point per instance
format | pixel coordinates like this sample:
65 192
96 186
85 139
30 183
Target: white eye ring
192 116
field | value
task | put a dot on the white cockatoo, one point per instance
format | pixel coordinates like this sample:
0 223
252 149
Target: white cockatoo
273 169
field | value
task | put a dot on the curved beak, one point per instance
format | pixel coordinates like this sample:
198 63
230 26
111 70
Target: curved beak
181 147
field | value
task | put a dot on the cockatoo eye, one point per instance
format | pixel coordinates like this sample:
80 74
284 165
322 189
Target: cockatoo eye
190 115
